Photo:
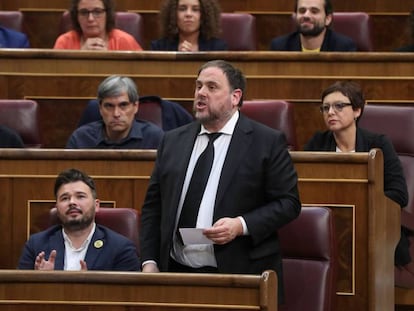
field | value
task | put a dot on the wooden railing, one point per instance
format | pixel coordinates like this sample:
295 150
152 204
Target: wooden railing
123 291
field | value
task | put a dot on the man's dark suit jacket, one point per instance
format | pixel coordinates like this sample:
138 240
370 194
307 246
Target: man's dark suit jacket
107 250
213 44
333 42
10 138
395 186
13 39
258 182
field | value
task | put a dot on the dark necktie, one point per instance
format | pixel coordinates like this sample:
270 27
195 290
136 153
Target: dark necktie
198 182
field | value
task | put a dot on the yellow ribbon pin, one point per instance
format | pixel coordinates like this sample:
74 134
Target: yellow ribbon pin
98 243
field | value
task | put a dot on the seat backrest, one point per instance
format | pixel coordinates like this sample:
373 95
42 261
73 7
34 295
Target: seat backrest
308 246
355 25
397 123
12 20
125 221
21 115
129 22
277 114
239 31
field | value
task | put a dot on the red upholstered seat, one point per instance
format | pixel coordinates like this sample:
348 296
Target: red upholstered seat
309 252
21 115
12 20
277 114
355 25
125 221
397 122
239 31
129 22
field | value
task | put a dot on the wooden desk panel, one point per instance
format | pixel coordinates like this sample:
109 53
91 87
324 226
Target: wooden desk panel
127 291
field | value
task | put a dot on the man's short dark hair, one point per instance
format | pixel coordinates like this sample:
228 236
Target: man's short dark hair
72 175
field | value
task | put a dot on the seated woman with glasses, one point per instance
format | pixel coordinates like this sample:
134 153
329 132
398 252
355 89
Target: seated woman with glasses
94 28
342 107
189 26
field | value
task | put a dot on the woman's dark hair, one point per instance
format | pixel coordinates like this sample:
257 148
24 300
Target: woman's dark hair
210 23
110 15
349 89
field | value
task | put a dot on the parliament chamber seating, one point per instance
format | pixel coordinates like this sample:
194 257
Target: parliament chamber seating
239 31
125 221
397 122
12 20
277 114
310 255
21 115
355 25
129 22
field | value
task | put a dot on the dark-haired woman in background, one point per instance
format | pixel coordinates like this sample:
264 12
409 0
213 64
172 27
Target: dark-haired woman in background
342 106
189 26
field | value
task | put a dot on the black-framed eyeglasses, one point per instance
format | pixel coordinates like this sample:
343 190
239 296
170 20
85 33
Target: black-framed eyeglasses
97 12
324 108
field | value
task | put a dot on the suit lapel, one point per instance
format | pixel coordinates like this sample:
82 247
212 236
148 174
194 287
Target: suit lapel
57 243
95 247
239 145
185 142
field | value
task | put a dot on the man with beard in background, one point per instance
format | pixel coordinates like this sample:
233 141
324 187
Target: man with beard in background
313 34
78 243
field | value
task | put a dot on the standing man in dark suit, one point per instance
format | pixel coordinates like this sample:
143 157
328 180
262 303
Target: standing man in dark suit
79 243
313 34
251 191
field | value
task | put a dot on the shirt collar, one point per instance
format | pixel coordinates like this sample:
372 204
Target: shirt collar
228 128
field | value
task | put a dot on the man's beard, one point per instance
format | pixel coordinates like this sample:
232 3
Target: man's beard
311 32
78 224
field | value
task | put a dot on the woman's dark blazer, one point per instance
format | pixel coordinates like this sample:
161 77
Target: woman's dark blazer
395 186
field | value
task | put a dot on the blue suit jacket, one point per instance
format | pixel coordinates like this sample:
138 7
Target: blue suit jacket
213 44
13 39
333 42
117 253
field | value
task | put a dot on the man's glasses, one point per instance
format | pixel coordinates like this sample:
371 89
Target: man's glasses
324 108
96 13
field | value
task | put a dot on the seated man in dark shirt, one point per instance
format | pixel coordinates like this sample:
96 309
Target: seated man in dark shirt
9 138
12 39
313 19
118 103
